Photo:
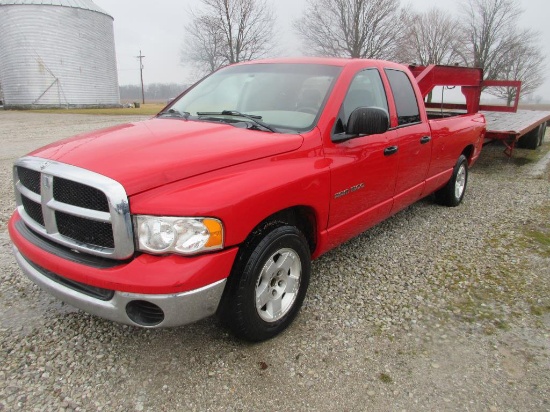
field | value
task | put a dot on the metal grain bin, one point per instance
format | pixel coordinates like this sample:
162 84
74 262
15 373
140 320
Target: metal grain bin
57 53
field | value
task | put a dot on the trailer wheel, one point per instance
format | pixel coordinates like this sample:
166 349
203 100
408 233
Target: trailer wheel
453 192
531 139
542 133
268 284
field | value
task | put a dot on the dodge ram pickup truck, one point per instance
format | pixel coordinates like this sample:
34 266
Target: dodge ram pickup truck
219 203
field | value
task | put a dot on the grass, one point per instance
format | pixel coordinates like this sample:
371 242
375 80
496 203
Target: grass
506 293
148 109
539 309
540 237
540 241
384 377
537 235
523 157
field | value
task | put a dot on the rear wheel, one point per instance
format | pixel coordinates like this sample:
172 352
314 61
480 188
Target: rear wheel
531 140
542 133
453 192
268 284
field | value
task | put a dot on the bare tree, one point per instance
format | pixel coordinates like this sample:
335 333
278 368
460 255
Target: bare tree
495 44
351 28
491 34
204 44
431 38
526 65
228 31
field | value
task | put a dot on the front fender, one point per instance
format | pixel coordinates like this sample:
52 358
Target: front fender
244 195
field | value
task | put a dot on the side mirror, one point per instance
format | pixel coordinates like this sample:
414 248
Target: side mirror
364 121
367 121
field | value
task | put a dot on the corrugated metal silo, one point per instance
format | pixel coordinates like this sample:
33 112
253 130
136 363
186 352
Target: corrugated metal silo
57 53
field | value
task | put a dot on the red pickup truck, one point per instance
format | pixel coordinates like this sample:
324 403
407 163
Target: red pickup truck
219 203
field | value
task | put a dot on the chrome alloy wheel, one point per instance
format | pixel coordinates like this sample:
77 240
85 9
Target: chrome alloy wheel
460 182
278 284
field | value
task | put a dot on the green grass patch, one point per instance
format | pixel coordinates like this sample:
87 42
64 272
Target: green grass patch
539 310
539 236
495 293
502 325
522 161
384 377
148 109
523 157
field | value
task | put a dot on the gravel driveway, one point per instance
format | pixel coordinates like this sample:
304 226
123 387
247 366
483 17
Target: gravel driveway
436 309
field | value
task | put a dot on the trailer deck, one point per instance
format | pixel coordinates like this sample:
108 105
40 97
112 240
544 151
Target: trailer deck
510 127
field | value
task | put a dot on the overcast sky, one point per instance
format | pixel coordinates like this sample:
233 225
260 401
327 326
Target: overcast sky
157 28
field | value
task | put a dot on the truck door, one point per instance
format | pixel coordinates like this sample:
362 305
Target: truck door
413 141
363 170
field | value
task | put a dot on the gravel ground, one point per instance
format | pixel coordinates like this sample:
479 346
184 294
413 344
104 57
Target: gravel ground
437 309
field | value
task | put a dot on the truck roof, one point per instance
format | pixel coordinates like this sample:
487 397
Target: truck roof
329 61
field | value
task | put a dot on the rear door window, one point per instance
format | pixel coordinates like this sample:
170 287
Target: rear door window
404 96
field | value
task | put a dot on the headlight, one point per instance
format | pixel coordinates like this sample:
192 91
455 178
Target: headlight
183 235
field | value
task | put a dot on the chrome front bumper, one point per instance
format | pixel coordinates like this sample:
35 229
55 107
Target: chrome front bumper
179 309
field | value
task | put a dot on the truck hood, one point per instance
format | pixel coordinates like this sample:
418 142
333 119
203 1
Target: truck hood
155 152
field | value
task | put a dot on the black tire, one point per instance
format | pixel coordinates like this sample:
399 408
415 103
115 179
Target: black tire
531 139
259 273
542 133
453 192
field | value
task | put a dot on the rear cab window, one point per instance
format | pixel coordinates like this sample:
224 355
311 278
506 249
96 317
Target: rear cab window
406 103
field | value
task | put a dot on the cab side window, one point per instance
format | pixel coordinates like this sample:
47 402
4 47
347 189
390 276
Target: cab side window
365 90
405 98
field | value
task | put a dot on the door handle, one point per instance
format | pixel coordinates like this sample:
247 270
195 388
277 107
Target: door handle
425 139
390 150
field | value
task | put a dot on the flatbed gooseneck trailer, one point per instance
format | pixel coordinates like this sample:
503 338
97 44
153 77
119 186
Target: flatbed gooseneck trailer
513 127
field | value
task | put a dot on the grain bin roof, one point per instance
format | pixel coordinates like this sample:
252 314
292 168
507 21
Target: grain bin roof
77 4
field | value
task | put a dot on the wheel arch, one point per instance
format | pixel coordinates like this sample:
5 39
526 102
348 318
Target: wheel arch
468 153
302 217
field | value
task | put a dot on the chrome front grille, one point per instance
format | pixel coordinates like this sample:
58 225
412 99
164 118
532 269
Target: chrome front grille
77 194
74 207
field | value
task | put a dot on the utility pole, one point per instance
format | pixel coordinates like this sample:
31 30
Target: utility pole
140 57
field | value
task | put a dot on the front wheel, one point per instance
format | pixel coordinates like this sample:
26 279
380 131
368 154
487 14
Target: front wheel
453 192
269 286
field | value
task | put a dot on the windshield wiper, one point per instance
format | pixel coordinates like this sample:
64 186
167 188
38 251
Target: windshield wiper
257 120
175 113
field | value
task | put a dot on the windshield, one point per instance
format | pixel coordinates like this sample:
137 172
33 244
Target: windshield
283 96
